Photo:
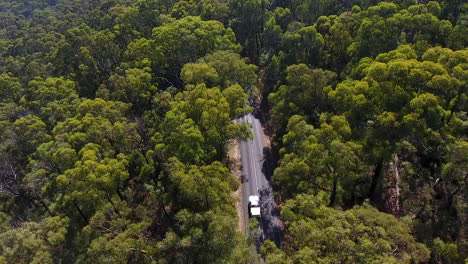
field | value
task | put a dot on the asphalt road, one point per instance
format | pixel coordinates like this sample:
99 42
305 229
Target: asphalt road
256 177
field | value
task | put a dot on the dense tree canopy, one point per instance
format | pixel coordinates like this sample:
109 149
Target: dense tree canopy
116 118
325 235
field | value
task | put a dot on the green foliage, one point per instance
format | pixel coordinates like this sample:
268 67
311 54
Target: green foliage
202 37
319 234
303 92
402 104
176 43
53 99
119 237
206 225
237 99
181 137
302 43
116 118
87 157
92 176
203 117
206 9
445 252
134 86
319 159
202 188
222 68
10 88
210 238
31 133
34 242
247 18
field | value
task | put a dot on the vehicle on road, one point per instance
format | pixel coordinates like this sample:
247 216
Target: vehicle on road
254 206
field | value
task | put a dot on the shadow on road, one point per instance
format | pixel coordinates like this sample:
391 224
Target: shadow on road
267 165
271 224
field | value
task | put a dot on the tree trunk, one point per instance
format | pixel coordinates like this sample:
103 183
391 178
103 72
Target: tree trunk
113 205
392 189
121 197
375 180
39 199
81 213
333 193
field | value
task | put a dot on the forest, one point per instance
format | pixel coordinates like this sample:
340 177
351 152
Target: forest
117 116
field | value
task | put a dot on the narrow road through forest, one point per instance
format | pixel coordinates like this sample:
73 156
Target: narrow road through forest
256 176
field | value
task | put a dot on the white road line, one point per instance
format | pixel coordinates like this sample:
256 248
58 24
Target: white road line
253 158
254 167
255 171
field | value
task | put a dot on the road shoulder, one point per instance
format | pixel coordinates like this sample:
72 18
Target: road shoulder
234 164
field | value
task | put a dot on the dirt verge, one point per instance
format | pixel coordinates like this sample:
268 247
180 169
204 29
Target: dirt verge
236 170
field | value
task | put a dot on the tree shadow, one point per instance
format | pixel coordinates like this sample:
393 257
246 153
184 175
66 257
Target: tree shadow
267 165
270 224
258 115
